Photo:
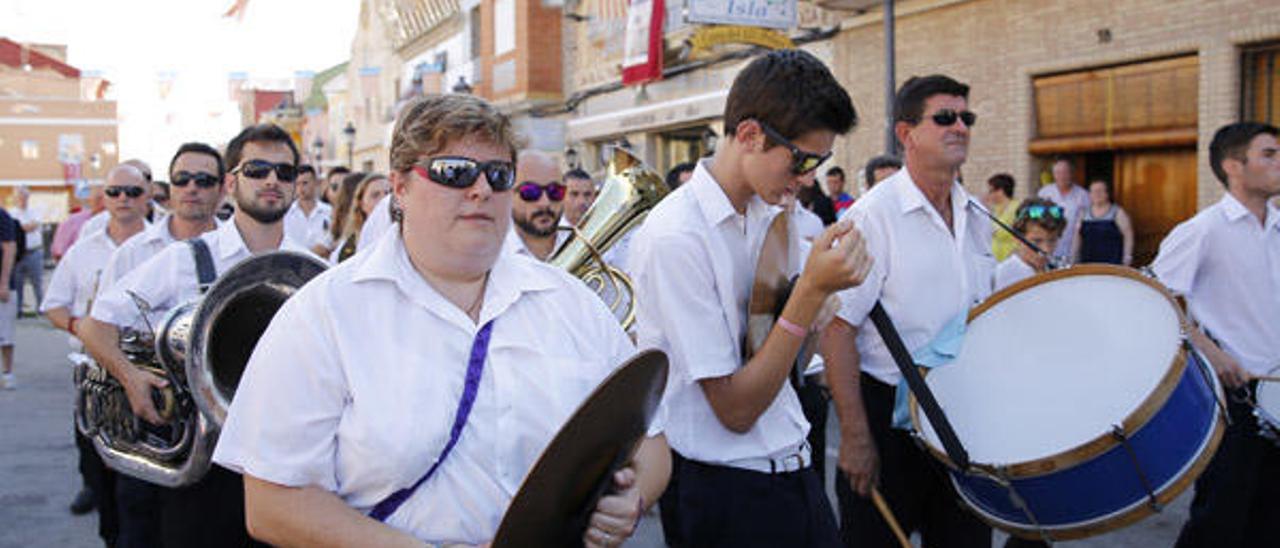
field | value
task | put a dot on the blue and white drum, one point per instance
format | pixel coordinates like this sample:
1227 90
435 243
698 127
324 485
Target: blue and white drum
1081 405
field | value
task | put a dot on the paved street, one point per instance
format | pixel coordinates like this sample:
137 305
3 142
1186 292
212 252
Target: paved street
38 473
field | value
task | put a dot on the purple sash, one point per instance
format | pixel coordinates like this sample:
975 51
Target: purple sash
475 367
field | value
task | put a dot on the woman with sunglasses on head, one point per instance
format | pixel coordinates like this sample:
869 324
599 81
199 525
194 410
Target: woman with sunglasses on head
411 388
372 188
1105 233
1041 222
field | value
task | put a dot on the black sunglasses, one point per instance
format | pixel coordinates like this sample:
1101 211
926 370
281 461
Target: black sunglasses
462 172
946 117
130 191
532 192
202 180
260 169
801 162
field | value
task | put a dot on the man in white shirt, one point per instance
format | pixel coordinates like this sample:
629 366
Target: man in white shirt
538 204
1073 199
30 267
433 354
742 474
99 220
210 512
580 193
71 290
1225 262
933 262
308 218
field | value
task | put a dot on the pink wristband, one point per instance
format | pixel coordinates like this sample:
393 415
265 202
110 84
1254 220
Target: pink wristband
792 328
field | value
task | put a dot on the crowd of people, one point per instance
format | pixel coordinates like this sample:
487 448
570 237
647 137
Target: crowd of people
400 397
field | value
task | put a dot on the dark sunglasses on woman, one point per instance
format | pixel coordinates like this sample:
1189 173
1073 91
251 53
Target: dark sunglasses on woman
130 191
260 169
462 172
202 180
532 192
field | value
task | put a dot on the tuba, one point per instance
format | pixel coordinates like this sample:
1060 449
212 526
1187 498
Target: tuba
201 347
630 190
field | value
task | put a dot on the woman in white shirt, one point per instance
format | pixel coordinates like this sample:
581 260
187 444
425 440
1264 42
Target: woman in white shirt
401 397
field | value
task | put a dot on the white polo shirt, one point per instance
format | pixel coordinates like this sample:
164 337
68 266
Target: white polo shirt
138 250
169 278
694 262
1074 203
923 275
1227 265
354 387
307 229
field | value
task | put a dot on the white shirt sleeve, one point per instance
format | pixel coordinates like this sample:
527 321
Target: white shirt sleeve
856 302
1178 260
680 285
155 281
377 223
283 424
61 292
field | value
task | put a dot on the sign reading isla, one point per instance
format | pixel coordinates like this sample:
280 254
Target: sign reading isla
775 14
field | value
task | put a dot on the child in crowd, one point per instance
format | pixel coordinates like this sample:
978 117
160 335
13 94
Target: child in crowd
1041 222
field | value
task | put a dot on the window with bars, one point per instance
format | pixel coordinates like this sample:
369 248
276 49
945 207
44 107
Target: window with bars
1261 86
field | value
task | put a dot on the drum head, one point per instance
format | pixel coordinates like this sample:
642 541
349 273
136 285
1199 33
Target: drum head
553 504
1054 362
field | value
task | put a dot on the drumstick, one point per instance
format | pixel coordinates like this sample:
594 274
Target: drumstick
887 514
1269 378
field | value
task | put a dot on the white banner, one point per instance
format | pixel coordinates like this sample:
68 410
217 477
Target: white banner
774 14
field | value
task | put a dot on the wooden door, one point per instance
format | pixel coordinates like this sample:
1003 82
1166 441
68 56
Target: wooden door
1158 190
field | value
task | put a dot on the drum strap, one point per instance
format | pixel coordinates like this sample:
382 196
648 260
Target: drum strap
205 272
915 381
475 368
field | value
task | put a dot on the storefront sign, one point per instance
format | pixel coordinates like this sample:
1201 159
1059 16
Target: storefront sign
774 14
707 37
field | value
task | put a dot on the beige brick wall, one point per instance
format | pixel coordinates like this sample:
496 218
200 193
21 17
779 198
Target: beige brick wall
998 46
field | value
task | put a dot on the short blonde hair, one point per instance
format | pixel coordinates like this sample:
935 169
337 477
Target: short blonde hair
429 124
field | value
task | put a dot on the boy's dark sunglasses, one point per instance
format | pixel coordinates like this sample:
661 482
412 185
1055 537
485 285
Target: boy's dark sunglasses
202 180
462 172
946 117
260 169
801 162
130 191
1039 211
532 192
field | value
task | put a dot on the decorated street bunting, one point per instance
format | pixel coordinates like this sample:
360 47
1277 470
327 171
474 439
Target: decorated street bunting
642 58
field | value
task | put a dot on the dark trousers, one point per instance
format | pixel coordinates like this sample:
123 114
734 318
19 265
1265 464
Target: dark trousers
916 487
814 402
102 481
208 513
724 506
1237 498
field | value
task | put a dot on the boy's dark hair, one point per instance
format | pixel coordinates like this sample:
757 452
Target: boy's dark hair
1232 141
198 148
878 163
792 92
306 168
576 173
673 176
908 105
1002 182
837 171
261 133
1051 224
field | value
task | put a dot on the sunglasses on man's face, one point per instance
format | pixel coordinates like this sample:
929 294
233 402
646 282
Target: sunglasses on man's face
946 117
1040 212
801 162
532 192
260 169
130 191
462 172
202 180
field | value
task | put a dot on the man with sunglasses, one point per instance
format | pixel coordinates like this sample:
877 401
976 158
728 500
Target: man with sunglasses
71 290
742 469
308 218
538 205
211 511
933 261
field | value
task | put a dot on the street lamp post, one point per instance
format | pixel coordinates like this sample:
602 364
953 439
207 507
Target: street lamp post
350 133
317 149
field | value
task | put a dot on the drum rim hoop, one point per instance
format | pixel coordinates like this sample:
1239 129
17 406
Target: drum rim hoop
1096 446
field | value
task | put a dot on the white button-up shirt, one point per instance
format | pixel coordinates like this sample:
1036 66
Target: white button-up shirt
169 279
355 384
304 229
1074 203
136 251
694 261
77 277
1012 270
26 215
923 274
376 224
1227 265
95 223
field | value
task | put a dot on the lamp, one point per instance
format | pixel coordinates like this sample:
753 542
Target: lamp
317 149
462 86
350 133
571 158
709 140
